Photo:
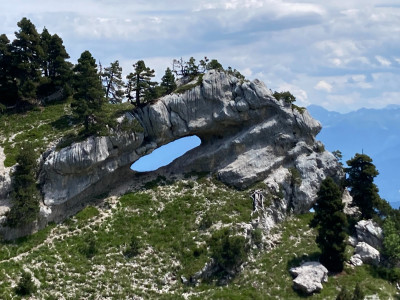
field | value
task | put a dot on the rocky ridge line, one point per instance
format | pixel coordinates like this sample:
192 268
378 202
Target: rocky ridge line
247 136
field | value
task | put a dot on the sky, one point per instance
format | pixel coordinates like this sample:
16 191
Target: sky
342 55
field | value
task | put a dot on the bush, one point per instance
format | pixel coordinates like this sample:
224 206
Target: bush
256 236
88 248
358 293
295 176
206 221
25 285
133 248
286 96
344 294
391 241
228 251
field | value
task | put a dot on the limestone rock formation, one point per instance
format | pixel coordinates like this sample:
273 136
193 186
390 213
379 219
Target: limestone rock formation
247 136
309 277
369 232
5 178
366 253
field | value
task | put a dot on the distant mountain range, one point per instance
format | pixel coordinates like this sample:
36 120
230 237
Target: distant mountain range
375 132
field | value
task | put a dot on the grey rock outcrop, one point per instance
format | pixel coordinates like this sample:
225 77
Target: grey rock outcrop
366 253
309 277
247 136
5 178
356 260
5 185
369 232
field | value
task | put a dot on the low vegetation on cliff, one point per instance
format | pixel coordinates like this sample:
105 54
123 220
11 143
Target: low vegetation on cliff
150 244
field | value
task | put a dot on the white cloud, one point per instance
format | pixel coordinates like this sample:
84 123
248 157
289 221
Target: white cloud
383 61
323 86
247 72
307 47
300 94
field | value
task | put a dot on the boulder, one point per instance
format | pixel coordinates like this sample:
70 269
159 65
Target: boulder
356 260
367 254
309 277
369 232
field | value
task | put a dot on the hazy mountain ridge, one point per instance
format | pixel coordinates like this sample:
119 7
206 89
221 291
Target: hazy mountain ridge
375 132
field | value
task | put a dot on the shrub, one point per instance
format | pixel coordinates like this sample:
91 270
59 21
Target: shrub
206 221
391 241
256 236
25 285
228 251
358 293
344 294
88 248
295 176
133 248
286 96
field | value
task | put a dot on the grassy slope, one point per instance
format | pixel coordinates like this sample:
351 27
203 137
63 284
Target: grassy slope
44 125
166 219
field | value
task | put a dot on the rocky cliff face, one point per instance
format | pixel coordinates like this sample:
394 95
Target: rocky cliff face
247 136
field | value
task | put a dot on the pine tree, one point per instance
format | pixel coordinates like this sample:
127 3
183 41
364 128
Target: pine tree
60 70
139 82
168 82
56 70
214 65
45 38
331 223
8 84
88 97
113 83
28 56
361 173
24 195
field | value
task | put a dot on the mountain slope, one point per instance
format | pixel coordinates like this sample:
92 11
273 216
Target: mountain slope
173 222
376 132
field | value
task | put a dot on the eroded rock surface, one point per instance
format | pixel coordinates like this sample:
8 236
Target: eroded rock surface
247 136
369 232
367 254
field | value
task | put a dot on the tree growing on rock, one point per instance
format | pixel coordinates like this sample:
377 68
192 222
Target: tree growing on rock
361 173
139 83
168 82
331 224
286 96
113 83
88 97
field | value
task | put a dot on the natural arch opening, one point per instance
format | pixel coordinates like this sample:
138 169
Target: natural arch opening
164 155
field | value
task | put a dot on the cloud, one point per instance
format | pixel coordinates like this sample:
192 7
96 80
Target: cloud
323 86
383 61
307 47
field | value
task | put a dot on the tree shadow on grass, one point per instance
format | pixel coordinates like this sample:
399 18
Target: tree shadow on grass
62 123
297 261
